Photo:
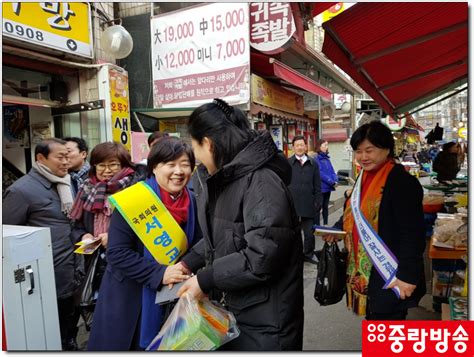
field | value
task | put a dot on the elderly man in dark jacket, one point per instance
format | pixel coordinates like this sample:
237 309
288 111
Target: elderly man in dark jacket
43 198
306 190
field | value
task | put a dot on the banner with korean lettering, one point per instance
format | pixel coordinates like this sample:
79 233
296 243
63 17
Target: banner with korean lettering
63 26
272 25
274 96
121 126
417 338
151 221
201 53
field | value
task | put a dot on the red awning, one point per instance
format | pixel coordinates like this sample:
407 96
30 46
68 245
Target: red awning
319 7
401 54
270 67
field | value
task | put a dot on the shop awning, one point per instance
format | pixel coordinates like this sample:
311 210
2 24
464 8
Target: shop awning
401 54
269 66
319 7
255 109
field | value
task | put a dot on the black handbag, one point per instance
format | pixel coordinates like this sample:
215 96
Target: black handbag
91 286
331 278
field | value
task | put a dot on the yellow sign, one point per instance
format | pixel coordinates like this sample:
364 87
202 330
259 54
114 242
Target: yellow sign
274 96
63 26
121 131
151 222
462 133
167 126
334 10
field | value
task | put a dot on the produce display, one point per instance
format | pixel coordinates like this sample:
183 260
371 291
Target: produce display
450 231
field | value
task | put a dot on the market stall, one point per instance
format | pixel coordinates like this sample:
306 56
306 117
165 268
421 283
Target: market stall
445 208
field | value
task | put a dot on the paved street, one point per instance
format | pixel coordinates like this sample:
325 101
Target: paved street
331 328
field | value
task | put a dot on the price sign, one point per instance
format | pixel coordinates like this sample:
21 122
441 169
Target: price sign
201 53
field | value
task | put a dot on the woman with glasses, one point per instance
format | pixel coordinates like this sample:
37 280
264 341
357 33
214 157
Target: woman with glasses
111 171
126 316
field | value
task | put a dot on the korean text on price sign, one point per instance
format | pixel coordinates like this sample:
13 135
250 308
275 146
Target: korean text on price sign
201 53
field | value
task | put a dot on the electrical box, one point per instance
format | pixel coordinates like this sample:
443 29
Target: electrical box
30 309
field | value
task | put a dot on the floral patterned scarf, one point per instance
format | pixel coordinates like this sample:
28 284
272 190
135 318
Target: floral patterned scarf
359 263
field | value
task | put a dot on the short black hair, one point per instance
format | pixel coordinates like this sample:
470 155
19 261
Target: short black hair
155 136
168 149
448 146
81 143
226 126
377 133
298 137
44 147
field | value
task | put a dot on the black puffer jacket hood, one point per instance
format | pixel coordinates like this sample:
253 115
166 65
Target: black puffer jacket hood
261 151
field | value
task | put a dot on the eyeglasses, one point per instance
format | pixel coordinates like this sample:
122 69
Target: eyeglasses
113 166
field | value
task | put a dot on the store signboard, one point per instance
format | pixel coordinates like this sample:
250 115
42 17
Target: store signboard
63 26
271 26
140 148
201 53
274 96
119 106
394 125
333 11
276 131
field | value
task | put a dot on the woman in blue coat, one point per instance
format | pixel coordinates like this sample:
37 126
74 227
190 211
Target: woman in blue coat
126 316
328 176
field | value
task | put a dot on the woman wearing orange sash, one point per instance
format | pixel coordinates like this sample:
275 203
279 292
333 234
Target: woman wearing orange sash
390 204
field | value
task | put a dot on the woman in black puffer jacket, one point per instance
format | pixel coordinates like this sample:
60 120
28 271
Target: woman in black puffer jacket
251 255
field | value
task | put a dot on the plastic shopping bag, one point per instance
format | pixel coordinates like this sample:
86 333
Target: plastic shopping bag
331 279
195 326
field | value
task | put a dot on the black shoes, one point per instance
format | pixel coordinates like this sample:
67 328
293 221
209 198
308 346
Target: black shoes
70 345
313 259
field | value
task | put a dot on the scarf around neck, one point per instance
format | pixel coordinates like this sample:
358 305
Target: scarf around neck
359 263
78 177
152 314
63 185
92 196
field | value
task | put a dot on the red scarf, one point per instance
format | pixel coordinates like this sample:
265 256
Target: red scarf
179 207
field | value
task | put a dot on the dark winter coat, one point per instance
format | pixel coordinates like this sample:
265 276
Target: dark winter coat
34 201
401 227
119 305
251 247
328 175
305 187
446 165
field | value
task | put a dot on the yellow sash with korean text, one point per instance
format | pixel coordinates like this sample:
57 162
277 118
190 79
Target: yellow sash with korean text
151 221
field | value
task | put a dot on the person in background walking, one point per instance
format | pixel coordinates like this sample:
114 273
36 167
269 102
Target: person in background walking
385 214
43 198
77 151
305 188
250 256
329 178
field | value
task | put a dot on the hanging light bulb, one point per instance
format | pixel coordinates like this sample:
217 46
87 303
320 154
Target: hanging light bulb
116 41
